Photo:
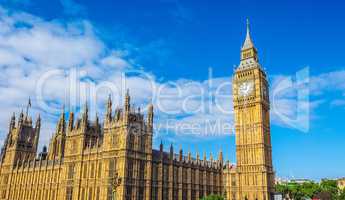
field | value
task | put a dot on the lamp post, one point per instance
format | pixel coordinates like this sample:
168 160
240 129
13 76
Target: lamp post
116 183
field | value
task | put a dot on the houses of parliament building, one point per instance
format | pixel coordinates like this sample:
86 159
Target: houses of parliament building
114 160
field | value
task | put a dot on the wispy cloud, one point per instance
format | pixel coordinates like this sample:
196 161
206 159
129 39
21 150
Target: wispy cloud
32 48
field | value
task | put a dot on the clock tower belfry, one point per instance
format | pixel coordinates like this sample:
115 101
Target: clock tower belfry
255 177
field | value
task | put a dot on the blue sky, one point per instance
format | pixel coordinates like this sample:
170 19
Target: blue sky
178 41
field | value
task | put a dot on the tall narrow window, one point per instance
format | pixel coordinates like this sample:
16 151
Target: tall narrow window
110 193
92 172
97 193
90 193
99 169
111 167
85 171
83 193
70 171
69 193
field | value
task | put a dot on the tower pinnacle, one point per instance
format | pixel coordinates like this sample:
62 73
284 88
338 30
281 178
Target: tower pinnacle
248 43
249 54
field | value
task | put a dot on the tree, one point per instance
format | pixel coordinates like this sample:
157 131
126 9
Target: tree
331 187
213 197
327 189
342 194
309 189
298 191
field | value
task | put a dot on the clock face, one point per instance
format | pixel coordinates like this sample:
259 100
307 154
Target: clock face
246 88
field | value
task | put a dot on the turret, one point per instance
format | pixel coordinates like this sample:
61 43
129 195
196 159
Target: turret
85 117
21 141
37 131
21 119
127 108
71 121
161 147
108 116
97 125
161 150
117 115
12 122
180 154
150 115
220 157
61 126
57 144
171 152
189 156
8 137
127 102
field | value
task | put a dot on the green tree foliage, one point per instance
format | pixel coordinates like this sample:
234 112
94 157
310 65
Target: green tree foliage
331 187
213 197
308 190
342 194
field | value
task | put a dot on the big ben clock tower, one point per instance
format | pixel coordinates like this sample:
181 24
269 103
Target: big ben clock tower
255 178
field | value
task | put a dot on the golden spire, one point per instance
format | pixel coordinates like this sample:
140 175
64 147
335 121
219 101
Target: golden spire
248 42
248 50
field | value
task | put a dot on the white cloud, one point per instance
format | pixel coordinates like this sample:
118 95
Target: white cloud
32 48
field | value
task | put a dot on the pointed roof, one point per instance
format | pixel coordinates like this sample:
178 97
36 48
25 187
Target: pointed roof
248 43
61 123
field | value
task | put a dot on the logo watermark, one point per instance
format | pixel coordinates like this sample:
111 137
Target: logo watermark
183 106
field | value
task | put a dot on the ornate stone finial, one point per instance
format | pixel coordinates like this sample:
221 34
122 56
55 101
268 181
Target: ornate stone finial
150 114
171 152
97 120
70 121
127 101
204 156
171 148
27 107
180 153
220 156
86 113
109 108
161 146
13 121
37 130
62 123
117 114
21 117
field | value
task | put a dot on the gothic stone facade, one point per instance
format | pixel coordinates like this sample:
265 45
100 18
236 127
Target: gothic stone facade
89 161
